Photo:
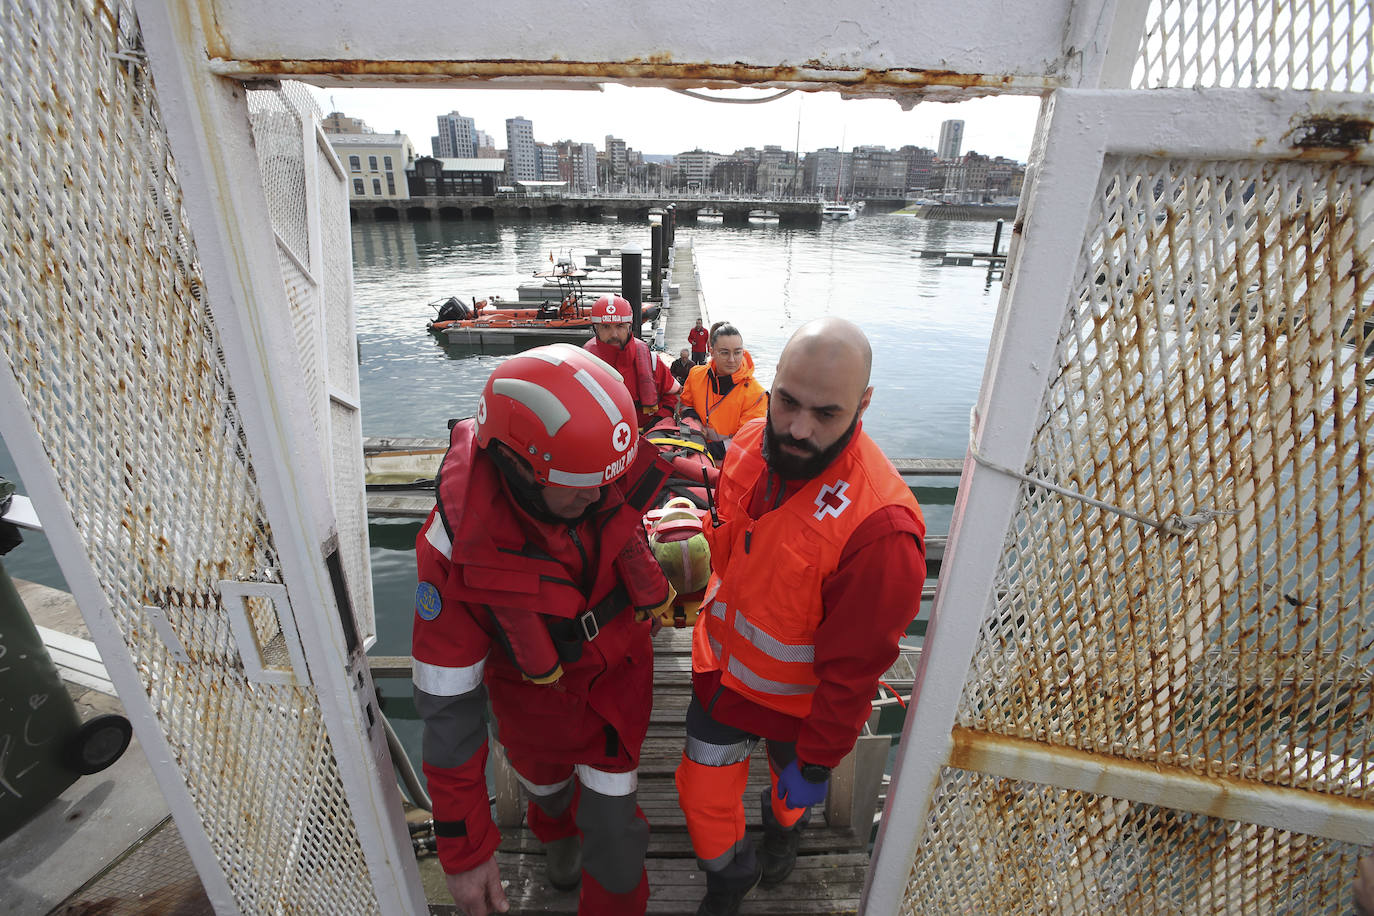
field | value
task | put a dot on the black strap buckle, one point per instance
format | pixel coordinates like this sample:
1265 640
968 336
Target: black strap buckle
590 628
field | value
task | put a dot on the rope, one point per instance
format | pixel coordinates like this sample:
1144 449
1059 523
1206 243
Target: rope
708 98
1174 524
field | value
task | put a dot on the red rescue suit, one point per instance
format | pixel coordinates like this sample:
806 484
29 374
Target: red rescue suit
505 609
648 379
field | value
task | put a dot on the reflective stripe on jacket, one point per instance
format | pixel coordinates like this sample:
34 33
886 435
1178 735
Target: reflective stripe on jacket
763 604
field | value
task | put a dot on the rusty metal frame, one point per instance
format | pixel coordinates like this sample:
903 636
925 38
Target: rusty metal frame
1079 129
877 50
208 129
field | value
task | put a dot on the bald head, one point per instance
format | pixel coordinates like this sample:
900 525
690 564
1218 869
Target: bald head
833 346
820 392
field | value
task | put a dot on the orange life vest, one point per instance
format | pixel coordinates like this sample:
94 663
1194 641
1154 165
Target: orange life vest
744 402
759 616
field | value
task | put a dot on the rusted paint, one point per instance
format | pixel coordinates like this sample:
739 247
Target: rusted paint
972 750
1336 132
658 69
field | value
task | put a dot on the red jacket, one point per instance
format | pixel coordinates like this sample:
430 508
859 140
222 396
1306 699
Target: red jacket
700 339
876 582
648 378
496 585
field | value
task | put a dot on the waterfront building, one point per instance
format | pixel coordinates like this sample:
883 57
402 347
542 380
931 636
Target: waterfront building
617 161
920 164
694 168
778 179
951 139
523 164
339 123
877 172
457 137
546 162
577 165
826 171
376 164
467 177
734 175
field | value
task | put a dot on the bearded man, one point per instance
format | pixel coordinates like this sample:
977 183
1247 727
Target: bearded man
817 569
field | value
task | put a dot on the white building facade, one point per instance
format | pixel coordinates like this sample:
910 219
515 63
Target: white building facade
522 156
375 164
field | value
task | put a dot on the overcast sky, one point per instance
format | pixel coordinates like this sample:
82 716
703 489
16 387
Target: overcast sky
665 122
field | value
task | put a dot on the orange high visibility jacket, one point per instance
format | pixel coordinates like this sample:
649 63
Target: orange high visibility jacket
762 606
744 402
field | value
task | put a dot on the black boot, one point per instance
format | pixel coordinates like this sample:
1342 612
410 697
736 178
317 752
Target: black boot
563 862
725 889
779 852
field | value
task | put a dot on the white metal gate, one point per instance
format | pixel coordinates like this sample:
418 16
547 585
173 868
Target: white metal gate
1148 686
180 389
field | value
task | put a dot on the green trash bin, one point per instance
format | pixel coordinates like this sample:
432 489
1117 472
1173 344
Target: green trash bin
44 745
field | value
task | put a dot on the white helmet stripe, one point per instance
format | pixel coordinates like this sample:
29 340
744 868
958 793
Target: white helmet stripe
602 397
545 354
569 479
543 402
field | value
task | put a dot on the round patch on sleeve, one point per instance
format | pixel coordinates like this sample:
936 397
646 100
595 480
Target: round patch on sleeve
427 601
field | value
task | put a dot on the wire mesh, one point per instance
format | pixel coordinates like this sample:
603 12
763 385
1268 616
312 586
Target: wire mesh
1216 357
1257 44
111 336
998 845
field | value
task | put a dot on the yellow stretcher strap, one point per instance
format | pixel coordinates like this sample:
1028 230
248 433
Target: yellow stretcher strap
666 440
664 612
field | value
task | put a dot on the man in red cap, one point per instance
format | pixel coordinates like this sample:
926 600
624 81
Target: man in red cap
536 581
648 379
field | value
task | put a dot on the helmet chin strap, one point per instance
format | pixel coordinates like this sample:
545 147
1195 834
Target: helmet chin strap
528 492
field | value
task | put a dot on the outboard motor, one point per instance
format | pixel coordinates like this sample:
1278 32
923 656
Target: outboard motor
453 310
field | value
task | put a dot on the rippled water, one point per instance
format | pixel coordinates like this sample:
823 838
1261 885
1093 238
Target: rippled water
929 326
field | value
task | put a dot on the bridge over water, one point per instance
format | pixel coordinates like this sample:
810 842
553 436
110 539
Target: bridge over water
733 211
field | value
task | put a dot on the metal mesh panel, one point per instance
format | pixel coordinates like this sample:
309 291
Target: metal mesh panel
305 322
108 332
277 134
337 278
350 507
1217 357
997 845
1256 44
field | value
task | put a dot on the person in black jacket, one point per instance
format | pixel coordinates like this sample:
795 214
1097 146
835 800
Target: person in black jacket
682 365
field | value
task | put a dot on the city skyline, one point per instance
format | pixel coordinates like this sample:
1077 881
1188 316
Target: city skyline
661 122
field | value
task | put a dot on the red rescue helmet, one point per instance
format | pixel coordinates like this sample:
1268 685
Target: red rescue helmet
564 411
612 310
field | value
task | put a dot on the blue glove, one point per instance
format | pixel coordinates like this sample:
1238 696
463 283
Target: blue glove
796 791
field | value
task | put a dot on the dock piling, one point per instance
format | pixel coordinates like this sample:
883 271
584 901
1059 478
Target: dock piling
656 235
632 284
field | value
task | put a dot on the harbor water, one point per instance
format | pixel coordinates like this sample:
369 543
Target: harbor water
929 325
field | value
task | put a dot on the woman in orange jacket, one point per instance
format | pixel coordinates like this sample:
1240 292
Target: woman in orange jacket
724 394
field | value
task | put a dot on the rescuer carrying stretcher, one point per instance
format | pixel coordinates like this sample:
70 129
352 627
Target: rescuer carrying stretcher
536 590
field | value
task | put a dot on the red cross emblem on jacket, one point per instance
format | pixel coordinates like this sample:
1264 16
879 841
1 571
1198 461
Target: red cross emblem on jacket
831 500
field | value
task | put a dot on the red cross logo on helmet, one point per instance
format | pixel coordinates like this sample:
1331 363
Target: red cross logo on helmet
620 438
